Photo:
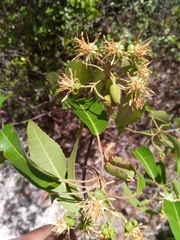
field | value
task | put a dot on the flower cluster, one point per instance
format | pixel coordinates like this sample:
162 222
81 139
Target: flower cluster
137 77
93 209
90 219
132 230
87 49
113 49
60 227
65 224
138 90
66 84
141 51
137 86
136 233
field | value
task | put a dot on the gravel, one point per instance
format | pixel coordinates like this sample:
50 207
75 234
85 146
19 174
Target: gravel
23 207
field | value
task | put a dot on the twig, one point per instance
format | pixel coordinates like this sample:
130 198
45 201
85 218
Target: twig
34 118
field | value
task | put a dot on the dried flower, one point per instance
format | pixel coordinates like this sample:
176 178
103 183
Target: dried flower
92 232
87 49
90 229
93 209
108 232
66 83
68 222
136 233
143 71
138 89
113 49
142 50
60 227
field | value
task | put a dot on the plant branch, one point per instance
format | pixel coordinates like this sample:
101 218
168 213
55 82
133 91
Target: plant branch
85 163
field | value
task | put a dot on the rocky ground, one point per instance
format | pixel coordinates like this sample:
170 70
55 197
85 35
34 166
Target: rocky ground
23 207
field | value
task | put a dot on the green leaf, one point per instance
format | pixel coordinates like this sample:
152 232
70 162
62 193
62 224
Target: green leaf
2 158
176 187
40 169
144 202
146 158
45 152
53 77
104 84
161 177
69 41
13 151
72 160
126 115
67 201
3 98
177 121
176 145
92 113
125 65
160 116
81 71
172 210
99 75
135 202
140 183
165 140
119 172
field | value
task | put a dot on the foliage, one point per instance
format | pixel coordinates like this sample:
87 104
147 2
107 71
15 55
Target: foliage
113 78
33 36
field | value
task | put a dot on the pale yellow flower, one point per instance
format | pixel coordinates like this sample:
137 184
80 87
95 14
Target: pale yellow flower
87 49
93 232
136 233
66 84
113 49
141 50
137 88
60 227
144 72
93 209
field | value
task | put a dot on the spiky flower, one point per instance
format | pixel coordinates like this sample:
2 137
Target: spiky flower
93 209
137 88
66 84
141 50
60 227
113 49
136 233
68 222
90 230
144 72
87 49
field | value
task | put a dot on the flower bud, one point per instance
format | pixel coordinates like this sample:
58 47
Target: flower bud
120 51
108 231
115 93
98 194
69 219
134 222
128 227
131 48
76 87
107 101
